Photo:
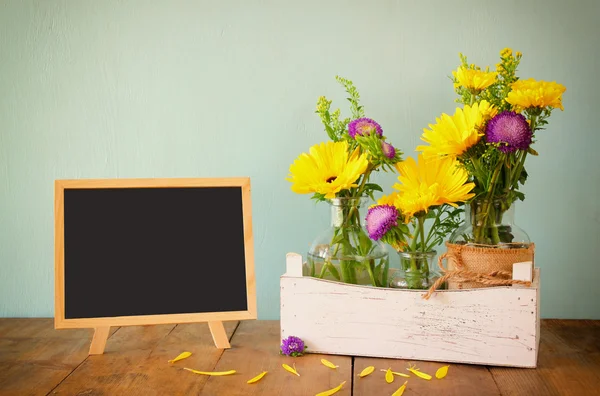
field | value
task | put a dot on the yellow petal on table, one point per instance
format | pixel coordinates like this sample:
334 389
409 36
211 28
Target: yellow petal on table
291 370
441 372
211 372
257 378
389 376
366 371
400 390
181 356
397 373
328 364
418 373
331 391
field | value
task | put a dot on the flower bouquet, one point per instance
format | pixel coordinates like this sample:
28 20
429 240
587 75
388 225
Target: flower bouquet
417 217
491 137
338 171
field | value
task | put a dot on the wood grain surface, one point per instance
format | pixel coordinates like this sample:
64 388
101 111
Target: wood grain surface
36 359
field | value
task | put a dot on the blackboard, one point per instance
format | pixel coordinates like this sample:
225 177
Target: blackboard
146 251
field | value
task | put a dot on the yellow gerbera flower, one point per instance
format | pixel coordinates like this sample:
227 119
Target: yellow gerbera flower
477 80
453 135
430 182
327 169
532 93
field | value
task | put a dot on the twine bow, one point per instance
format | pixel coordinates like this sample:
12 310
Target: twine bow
461 274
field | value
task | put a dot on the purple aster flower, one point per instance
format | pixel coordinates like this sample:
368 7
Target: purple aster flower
511 130
388 150
380 219
292 346
363 126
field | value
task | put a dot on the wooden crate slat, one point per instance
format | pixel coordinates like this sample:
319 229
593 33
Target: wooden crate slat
495 326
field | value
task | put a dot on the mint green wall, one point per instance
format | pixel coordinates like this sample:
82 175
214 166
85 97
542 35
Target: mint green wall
106 89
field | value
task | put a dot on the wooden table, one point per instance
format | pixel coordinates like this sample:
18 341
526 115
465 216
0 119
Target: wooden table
35 359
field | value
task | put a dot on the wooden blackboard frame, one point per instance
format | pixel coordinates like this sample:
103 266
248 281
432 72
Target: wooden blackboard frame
102 324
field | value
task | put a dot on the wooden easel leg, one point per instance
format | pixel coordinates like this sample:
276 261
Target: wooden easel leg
99 340
218 334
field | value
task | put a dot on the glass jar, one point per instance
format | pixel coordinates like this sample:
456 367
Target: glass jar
490 222
344 252
417 270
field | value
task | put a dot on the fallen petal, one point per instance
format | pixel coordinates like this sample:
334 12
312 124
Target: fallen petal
328 364
257 378
181 356
389 376
291 370
211 372
331 391
441 372
400 390
419 374
366 371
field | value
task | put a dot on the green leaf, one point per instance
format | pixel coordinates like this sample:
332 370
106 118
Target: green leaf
365 243
337 239
519 195
333 271
373 187
523 176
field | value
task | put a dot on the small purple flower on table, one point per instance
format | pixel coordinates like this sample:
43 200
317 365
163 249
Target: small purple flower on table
363 127
510 130
292 346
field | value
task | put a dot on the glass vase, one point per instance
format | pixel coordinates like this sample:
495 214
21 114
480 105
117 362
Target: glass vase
490 223
416 270
344 252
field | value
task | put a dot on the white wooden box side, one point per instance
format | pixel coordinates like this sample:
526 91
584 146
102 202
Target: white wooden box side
495 326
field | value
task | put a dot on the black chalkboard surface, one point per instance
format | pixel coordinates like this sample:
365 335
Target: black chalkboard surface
146 251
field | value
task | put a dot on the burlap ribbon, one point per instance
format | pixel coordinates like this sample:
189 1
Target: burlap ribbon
475 266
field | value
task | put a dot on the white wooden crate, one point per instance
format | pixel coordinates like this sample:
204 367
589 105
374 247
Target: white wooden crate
497 326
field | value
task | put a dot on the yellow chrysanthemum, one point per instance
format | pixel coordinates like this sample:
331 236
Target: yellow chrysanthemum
430 182
477 80
487 111
532 93
453 135
388 199
327 169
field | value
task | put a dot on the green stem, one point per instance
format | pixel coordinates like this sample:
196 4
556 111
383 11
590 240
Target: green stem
350 219
367 264
384 276
473 97
424 270
480 229
413 246
422 231
433 227
517 175
494 236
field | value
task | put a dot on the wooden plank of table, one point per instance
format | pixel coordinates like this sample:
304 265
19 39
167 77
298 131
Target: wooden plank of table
135 362
461 380
568 362
255 348
35 358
